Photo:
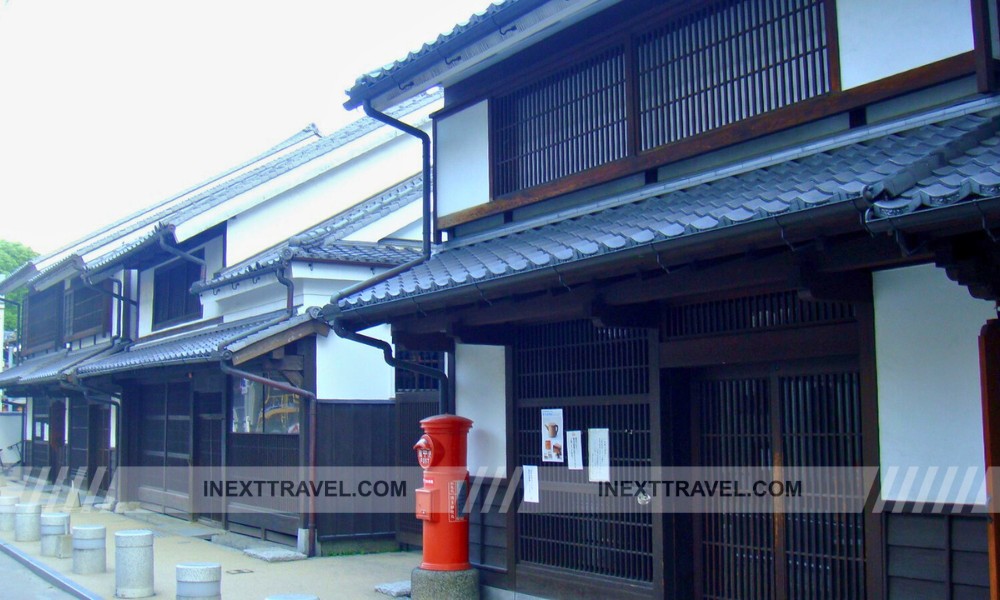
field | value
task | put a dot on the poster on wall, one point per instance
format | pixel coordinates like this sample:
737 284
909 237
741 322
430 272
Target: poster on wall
599 455
531 483
574 450
552 435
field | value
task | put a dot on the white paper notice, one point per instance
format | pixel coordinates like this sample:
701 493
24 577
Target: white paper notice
552 435
530 483
574 450
599 455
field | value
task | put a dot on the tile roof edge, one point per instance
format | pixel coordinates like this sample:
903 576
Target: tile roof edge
858 135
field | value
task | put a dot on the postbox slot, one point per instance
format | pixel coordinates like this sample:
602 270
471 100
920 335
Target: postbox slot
425 505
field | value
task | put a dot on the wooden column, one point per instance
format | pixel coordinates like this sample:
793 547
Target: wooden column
989 369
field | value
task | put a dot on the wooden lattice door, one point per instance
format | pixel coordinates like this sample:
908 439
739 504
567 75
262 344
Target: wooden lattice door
796 415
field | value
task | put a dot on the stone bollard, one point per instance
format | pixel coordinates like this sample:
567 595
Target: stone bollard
7 504
199 580
53 525
27 522
293 597
89 554
134 563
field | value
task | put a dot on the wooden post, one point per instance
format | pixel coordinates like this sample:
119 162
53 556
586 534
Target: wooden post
989 369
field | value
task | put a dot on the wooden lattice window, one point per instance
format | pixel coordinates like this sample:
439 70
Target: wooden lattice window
42 319
411 381
727 63
764 311
600 378
566 123
173 301
658 84
85 312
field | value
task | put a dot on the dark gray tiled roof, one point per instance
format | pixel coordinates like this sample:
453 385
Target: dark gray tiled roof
48 367
323 242
476 26
210 198
196 346
885 167
364 253
276 329
973 174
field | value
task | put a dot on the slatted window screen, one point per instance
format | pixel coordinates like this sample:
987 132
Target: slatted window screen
728 63
577 359
567 123
410 381
821 427
814 419
696 73
737 548
41 322
599 377
764 311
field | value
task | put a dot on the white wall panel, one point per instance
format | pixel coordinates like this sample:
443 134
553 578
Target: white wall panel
462 167
930 417
880 38
481 395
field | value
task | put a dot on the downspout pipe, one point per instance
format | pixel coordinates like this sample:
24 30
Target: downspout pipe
226 366
425 143
386 348
331 314
310 397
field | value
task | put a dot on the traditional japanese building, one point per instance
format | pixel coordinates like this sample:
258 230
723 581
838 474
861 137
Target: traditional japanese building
728 233
182 336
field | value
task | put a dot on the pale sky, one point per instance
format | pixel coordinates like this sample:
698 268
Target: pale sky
107 106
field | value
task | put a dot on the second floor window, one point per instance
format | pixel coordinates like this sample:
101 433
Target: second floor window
86 311
658 84
172 300
41 319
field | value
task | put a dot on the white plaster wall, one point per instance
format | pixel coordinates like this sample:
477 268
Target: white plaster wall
320 198
462 169
213 259
406 219
348 370
481 395
879 38
930 417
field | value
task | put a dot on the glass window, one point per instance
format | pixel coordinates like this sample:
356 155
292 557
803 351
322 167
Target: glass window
263 409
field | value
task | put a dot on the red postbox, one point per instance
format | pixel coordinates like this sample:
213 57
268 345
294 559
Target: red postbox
441 501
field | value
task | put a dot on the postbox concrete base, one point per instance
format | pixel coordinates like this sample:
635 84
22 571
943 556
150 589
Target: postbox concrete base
444 585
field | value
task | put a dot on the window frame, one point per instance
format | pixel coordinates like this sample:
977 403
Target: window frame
628 35
71 302
192 309
52 294
267 394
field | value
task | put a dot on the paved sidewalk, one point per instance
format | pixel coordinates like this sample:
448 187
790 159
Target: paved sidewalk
243 577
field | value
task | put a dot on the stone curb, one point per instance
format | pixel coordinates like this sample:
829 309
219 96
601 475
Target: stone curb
45 572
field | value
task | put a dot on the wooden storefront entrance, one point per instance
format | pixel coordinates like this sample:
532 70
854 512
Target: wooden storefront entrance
776 417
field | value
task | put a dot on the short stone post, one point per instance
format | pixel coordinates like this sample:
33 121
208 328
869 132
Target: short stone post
53 526
89 552
201 581
293 597
27 522
7 504
134 563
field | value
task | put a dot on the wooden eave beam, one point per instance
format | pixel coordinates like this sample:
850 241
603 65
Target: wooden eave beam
764 346
278 340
